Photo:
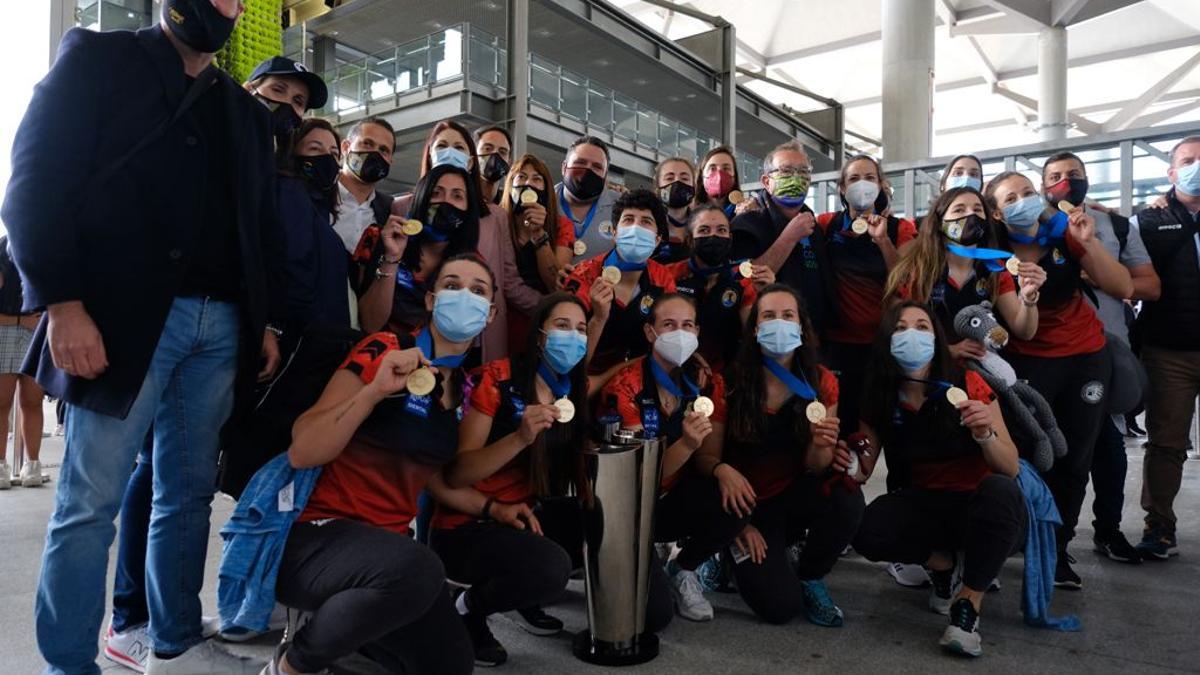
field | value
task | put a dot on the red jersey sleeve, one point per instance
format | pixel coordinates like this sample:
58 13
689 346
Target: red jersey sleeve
485 395
662 276
749 293
978 389
1005 283
565 235
581 279
366 357
824 220
623 390
827 390
905 232
718 399
1074 247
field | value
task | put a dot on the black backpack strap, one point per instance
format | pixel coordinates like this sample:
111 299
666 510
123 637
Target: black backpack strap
1120 228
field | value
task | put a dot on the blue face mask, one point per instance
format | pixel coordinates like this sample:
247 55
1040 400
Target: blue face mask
778 337
460 315
1023 214
1187 179
451 156
912 348
963 181
635 244
564 350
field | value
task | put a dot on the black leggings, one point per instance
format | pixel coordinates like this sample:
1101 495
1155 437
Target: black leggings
371 591
1077 389
691 514
911 524
849 362
507 568
771 588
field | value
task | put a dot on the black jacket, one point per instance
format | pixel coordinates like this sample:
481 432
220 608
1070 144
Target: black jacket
122 247
1172 321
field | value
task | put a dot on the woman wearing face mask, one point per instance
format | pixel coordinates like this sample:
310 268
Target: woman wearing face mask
675 178
962 494
863 247
542 238
620 286
954 264
1065 360
776 464
349 558
719 177
516 452
658 395
716 284
288 90
962 171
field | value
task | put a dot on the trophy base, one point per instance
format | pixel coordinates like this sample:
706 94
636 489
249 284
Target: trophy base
600 653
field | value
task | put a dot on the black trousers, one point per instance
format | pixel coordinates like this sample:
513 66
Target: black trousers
371 591
1077 389
506 568
771 588
911 524
691 514
849 362
1109 468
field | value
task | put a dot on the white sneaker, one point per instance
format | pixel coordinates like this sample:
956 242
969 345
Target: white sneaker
60 430
689 597
5 476
273 667
130 648
278 621
209 626
31 474
205 658
912 576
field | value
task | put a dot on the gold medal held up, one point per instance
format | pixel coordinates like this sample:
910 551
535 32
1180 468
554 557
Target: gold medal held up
736 197
859 226
956 396
815 412
746 269
1066 206
528 197
1013 265
580 248
421 382
704 406
611 274
412 228
566 410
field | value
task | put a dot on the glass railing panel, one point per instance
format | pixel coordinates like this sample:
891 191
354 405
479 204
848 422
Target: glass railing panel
574 91
668 132
543 82
625 117
647 127
446 50
600 107
412 62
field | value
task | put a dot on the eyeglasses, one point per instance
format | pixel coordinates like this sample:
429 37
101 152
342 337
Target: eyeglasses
792 171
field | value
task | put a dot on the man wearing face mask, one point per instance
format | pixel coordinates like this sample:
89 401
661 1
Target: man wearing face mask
584 197
782 234
288 90
178 188
620 285
493 145
1170 329
366 160
1064 177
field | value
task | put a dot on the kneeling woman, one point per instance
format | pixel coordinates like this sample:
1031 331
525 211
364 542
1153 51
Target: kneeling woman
782 442
925 412
662 395
349 558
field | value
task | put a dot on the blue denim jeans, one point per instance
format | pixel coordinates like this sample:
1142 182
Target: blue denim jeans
129 608
187 396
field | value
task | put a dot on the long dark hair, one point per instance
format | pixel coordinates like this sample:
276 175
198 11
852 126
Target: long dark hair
950 167
427 161
747 383
881 388
549 475
528 162
466 238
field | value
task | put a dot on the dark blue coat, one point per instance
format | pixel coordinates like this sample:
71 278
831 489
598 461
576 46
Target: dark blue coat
122 247
317 263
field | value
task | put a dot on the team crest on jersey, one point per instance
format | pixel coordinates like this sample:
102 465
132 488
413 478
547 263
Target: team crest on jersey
729 298
1058 257
981 288
647 302
607 229
1092 392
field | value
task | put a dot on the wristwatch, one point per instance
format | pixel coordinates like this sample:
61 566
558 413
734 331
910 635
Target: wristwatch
991 436
541 241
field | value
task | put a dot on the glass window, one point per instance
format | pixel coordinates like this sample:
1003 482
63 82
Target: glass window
411 64
647 127
543 82
600 107
625 117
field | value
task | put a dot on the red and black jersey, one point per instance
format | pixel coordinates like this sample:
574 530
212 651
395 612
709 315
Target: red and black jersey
622 337
947 298
774 461
937 459
1067 323
860 273
718 308
632 394
385 466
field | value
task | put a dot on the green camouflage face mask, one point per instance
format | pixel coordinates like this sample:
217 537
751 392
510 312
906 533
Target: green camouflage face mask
792 186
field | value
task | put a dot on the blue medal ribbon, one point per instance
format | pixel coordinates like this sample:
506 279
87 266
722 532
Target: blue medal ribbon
988 255
798 386
614 260
420 405
1050 232
560 385
566 208
667 383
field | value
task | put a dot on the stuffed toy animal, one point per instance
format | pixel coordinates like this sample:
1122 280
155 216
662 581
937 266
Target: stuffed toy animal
1026 412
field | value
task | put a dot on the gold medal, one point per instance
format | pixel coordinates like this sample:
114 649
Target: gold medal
815 412
1066 206
528 197
956 396
421 381
1013 265
412 228
735 197
611 274
580 248
566 409
704 406
859 226
746 269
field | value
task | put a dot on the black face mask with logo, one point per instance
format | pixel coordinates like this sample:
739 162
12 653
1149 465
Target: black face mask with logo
284 119
676 195
970 230
319 170
368 165
198 24
495 168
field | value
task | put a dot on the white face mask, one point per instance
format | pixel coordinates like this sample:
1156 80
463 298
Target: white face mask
676 346
861 194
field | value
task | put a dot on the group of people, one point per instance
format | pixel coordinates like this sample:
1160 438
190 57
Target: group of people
447 353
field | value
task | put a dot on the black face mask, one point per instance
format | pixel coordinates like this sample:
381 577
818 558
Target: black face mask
712 250
1071 189
585 184
445 219
519 191
676 195
198 24
968 231
284 119
319 170
368 165
495 168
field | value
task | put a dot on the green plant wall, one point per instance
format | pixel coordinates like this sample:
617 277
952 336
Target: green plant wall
258 36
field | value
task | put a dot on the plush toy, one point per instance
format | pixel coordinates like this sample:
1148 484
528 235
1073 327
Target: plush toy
1026 412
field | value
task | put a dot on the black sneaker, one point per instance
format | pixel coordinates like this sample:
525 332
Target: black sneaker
1064 576
1116 547
1132 430
943 590
1158 544
536 622
488 650
962 635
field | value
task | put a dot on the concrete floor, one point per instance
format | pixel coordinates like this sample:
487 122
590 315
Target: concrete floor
1136 619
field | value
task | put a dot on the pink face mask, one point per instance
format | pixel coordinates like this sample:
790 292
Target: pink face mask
718 183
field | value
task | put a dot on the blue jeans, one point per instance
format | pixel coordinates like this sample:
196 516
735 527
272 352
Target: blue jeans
186 396
129 608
